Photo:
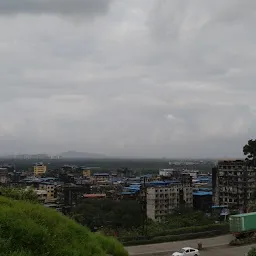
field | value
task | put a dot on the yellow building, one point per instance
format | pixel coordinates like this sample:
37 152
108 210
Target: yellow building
50 188
39 169
86 173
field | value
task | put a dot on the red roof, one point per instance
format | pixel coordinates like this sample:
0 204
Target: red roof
94 195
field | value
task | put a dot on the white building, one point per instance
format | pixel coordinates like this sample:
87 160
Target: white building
193 174
42 195
161 201
166 172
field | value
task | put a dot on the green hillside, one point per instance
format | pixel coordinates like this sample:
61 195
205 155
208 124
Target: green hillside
30 229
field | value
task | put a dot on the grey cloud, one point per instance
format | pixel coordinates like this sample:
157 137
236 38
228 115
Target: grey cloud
151 78
65 7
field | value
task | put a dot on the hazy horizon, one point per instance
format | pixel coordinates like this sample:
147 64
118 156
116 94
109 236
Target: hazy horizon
94 155
146 78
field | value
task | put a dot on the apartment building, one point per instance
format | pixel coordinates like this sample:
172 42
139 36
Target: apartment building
233 184
50 189
163 199
101 177
4 177
39 169
42 195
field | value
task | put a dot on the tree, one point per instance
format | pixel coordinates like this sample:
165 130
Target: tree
31 229
252 252
108 213
250 151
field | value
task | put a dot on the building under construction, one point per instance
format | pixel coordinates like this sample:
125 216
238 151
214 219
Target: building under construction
234 183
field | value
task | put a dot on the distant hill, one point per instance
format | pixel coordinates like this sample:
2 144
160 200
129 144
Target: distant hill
74 154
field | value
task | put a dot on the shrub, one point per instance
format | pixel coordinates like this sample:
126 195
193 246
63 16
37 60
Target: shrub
252 252
20 194
179 234
31 229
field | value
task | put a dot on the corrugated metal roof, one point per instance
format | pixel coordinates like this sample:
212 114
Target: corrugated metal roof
244 214
94 195
202 193
128 193
164 183
219 206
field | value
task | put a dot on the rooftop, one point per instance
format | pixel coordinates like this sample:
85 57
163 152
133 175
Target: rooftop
101 174
202 193
162 183
94 195
244 214
219 206
48 178
128 193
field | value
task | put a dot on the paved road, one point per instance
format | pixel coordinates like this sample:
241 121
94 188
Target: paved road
229 251
220 251
157 249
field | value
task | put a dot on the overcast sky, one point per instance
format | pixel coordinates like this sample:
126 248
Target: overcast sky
145 78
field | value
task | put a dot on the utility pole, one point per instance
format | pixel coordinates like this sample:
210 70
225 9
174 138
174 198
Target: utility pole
245 183
144 207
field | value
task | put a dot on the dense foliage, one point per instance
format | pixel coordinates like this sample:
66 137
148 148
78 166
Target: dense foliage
19 194
252 252
125 219
250 151
178 234
187 217
109 213
175 224
31 229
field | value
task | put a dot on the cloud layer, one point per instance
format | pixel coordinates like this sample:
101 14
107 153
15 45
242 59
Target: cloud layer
142 78
66 7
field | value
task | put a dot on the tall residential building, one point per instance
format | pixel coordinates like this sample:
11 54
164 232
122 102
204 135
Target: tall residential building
50 189
4 177
39 169
162 199
233 184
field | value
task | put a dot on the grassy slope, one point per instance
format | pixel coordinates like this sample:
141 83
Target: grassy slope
31 229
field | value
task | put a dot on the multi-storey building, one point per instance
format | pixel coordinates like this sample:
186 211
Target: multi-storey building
50 188
42 195
101 177
39 169
163 197
234 182
4 177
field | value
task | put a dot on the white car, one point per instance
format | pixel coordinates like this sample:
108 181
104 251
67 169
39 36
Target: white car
187 251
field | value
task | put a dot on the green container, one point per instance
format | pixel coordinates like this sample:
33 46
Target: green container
242 222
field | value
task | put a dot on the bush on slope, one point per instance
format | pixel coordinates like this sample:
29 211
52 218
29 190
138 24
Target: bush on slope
31 229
